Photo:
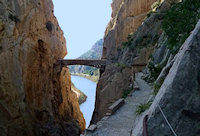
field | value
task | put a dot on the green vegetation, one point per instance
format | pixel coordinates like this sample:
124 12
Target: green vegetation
91 71
179 21
121 66
157 86
126 92
145 41
129 40
139 42
154 7
13 18
143 107
156 89
149 13
155 70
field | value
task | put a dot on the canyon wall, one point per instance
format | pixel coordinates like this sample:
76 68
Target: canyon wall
35 92
174 71
127 16
179 99
168 43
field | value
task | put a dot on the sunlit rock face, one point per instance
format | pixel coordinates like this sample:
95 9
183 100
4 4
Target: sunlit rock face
127 16
35 93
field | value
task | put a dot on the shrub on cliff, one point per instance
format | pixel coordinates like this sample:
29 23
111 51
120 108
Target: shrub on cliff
143 107
179 21
126 92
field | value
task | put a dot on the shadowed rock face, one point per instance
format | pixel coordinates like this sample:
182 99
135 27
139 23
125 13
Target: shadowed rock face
35 94
179 96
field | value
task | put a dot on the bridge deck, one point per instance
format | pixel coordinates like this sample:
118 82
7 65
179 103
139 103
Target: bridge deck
94 63
90 62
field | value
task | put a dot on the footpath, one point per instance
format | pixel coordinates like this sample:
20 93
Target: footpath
123 120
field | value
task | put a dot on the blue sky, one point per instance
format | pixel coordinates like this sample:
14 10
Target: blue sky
83 23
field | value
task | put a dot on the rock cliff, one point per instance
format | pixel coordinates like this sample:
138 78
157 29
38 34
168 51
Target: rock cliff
179 99
127 16
172 67
35 93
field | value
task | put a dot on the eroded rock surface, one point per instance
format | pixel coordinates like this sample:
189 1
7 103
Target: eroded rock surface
35 94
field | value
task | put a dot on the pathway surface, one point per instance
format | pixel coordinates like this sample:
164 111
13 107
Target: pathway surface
121 122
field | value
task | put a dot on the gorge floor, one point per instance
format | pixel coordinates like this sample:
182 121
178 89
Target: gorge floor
122 122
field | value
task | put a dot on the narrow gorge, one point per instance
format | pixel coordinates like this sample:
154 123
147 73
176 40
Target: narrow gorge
151 76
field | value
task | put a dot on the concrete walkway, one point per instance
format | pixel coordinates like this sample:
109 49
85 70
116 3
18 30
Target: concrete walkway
121 122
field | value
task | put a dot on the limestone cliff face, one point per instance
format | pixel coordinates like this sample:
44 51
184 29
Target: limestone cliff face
176 86
35 93
127 16
179 99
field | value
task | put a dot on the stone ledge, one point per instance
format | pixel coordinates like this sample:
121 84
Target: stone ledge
113 108
92 128
108 114
105 118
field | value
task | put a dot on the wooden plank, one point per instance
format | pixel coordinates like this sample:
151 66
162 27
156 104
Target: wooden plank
113 108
